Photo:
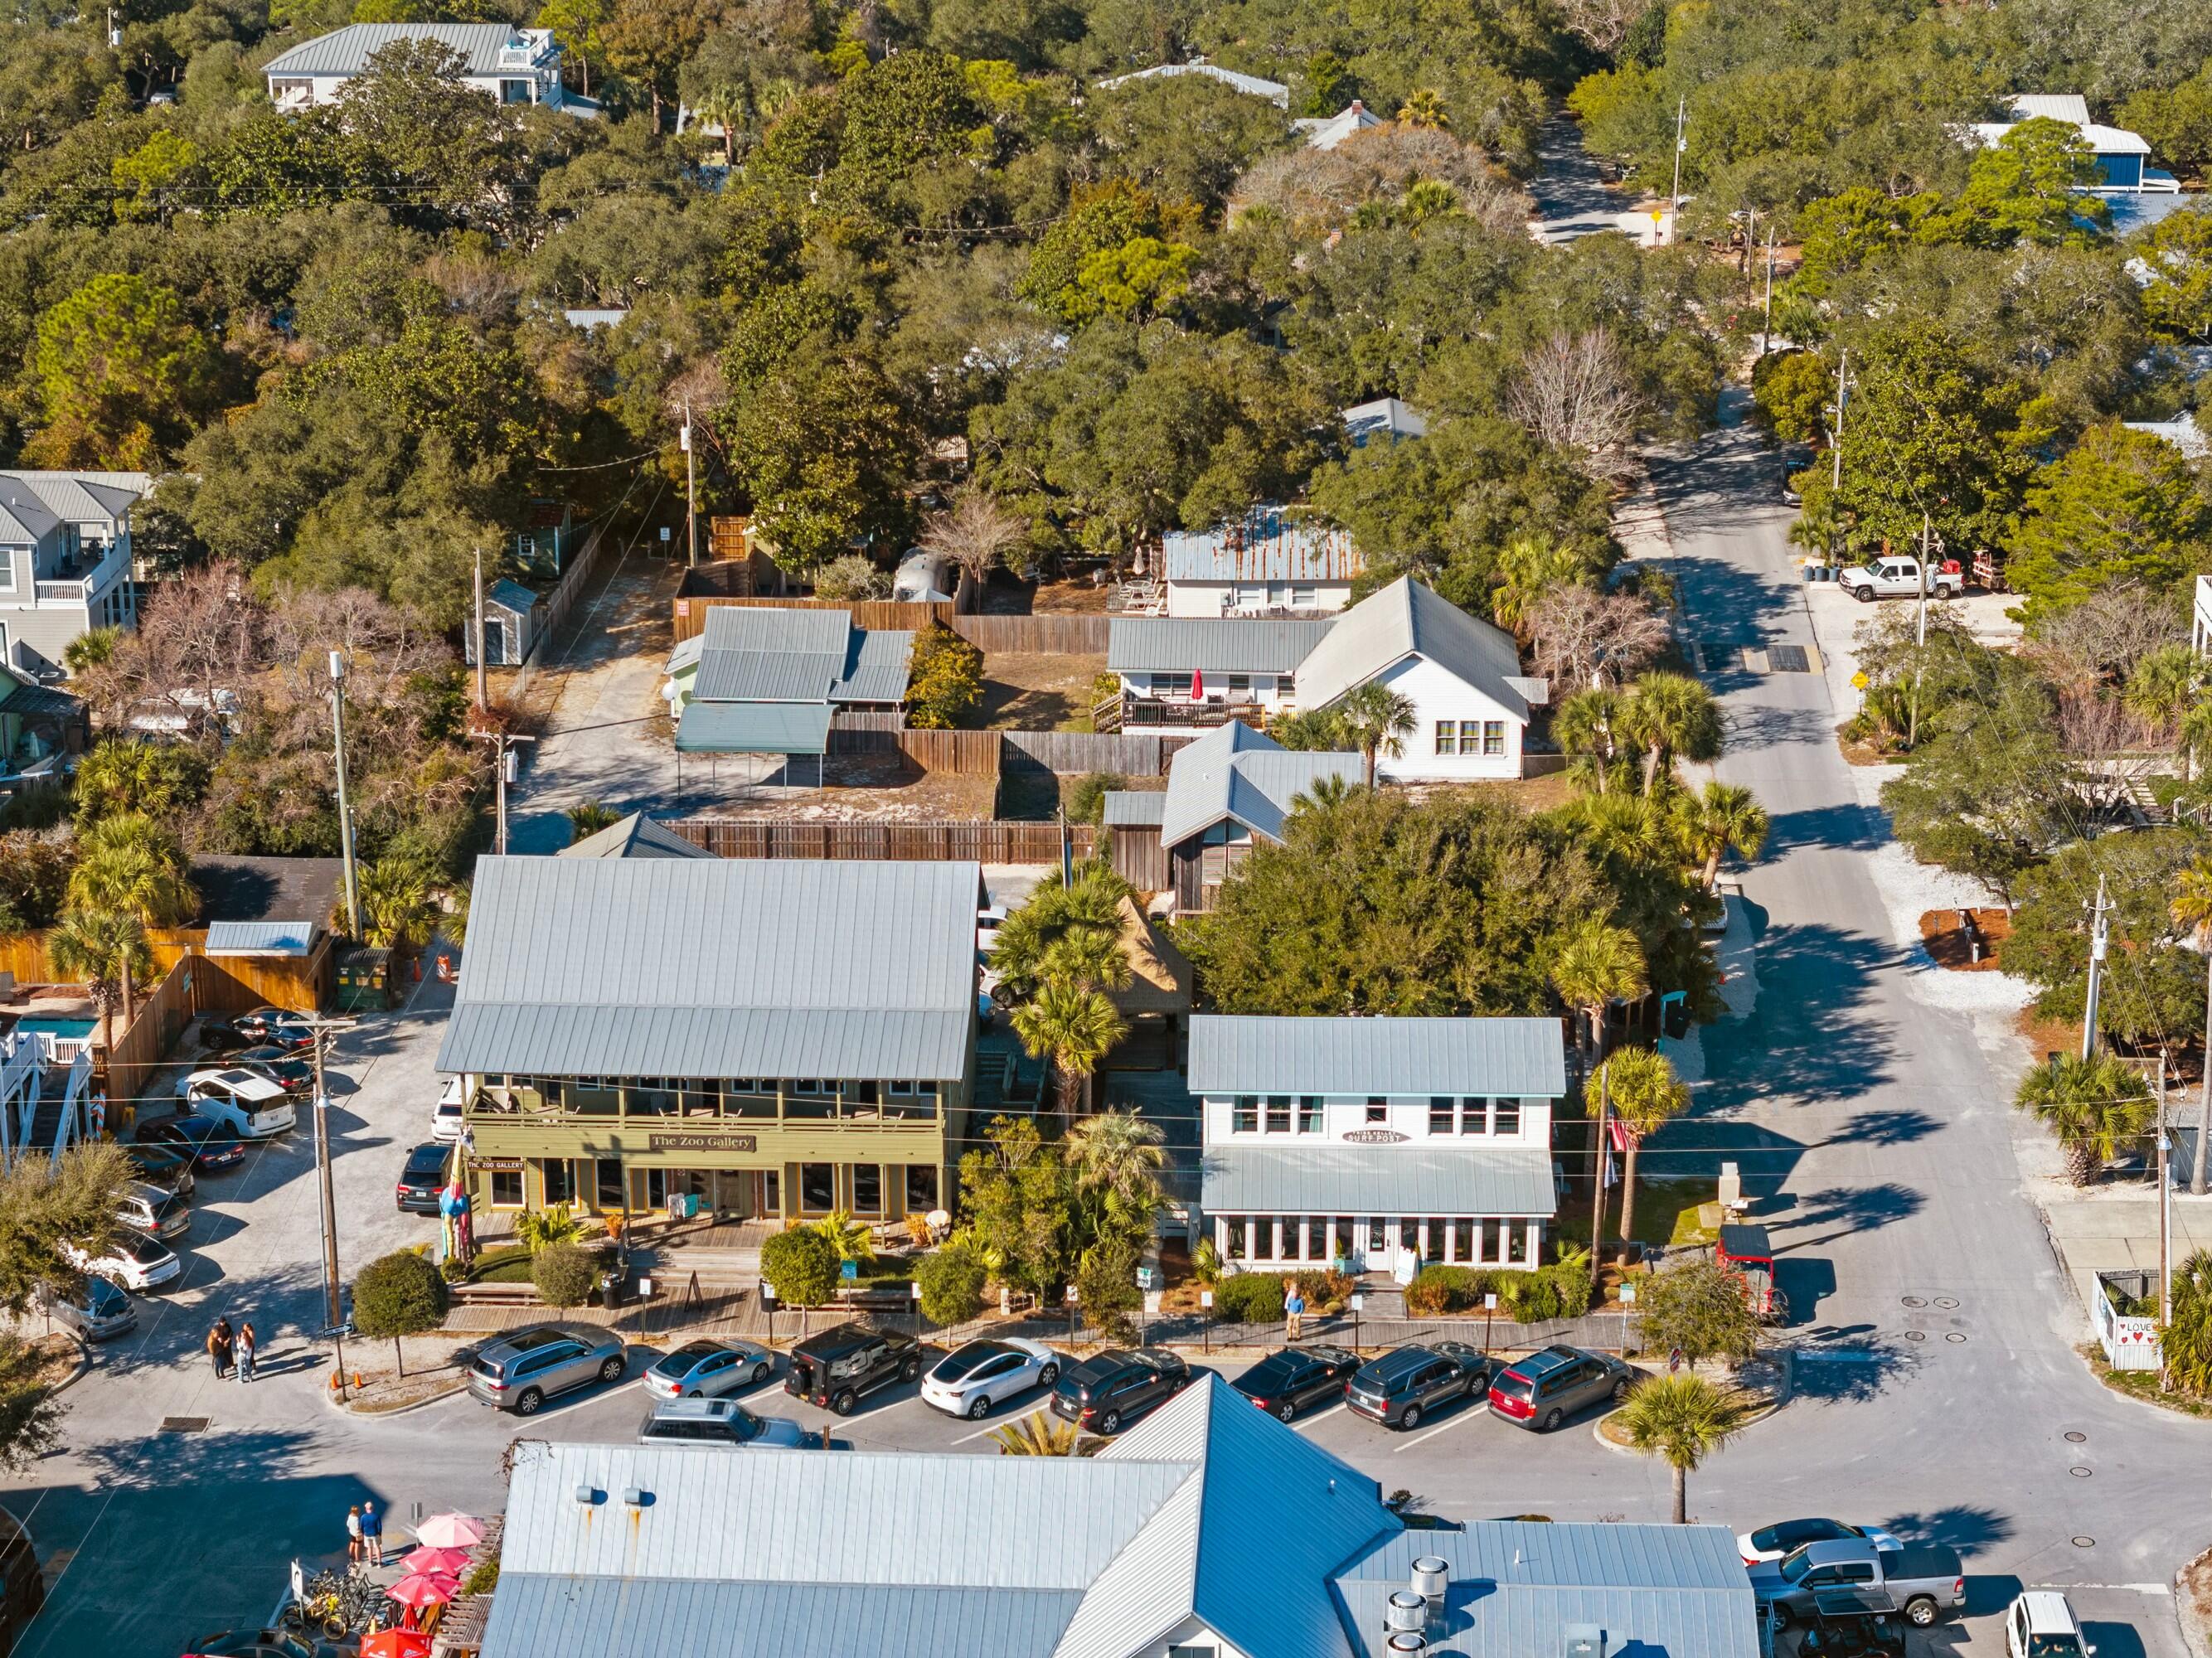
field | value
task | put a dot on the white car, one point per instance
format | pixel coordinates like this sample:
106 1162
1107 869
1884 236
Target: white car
247 1101
445 1115
133 1261
1772 1542
2042 1624
972 1378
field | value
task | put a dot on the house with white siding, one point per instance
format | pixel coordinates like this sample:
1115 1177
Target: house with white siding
1379 1143
2124 157
509 64
65 562
1269 563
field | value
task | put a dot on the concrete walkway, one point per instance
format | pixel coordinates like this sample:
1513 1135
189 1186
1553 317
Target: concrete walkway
2116 1232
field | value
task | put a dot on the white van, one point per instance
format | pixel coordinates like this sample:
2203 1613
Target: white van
253 1105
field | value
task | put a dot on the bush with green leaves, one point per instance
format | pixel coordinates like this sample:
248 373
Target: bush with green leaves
565 1275
1106 1284
1206 1264
1086 795
1701 1307
801 1267
1249 1298
541 1228
951 1280
398 1295
945 679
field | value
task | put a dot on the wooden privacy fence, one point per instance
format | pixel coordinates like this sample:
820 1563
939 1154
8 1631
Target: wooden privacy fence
1071 635
1000 841
964 754
873 614
554 607
237 983
1140 754
157 1022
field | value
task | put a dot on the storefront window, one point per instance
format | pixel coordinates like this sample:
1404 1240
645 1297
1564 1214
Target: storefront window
1286 1239
1235 1232
607 1184
1316 1240
1517 1243
557 1179
867 1188
507 1189
1490 1245
750 1097
1343 1251
1432 1240
921 1188
1462 1239
817 1186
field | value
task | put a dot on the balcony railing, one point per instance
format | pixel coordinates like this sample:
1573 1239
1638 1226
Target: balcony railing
1138 712
692 1112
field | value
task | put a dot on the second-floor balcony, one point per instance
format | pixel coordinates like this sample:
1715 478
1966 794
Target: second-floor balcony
78 581
1142 713
737 1106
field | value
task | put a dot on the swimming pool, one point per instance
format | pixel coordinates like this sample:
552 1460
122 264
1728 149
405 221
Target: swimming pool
71 1030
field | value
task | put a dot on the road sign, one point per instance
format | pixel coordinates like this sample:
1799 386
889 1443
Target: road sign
1628 1294
1147 1278
1861 680
848 1270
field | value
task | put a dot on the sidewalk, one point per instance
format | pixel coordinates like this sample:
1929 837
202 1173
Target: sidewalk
2116 1231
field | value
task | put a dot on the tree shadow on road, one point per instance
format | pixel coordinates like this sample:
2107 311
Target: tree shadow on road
1886 1128
1851 1209
1809 1039
1965 1527
1865 1368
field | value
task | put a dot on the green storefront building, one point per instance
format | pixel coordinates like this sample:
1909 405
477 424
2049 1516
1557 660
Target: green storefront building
768 1038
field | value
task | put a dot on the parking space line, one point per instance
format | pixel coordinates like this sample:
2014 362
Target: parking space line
1442 1427
994 1427
1305 1422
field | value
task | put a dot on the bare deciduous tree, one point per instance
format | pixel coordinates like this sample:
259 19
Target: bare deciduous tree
2103 637
1575 391
2100 734
976 533
1603 23
1322 186
200 635
1585 636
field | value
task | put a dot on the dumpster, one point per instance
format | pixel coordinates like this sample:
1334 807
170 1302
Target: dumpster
364 976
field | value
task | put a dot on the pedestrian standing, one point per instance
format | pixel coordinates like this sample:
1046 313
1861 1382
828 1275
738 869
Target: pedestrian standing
247 1342
1294 1310
219 1344
371 1532
354 1539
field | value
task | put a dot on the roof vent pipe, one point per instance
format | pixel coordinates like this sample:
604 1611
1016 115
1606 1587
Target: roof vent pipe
1431 1576
1584 1641
1405 1612
1405 1644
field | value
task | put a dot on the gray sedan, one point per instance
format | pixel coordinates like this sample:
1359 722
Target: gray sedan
704 1370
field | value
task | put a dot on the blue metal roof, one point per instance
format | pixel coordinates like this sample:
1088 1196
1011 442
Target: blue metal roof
1255 1054
753 728
1236 771
260 937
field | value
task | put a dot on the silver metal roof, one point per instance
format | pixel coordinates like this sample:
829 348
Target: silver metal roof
633 836
85 497
1135 808
1235 772
1330 1177
346 52
1273 91
770 654
23 516
260 937
1678 1591
1256 1053
1385 417
717 967
1266 545
1178 644
534 1615
706 727
1408 619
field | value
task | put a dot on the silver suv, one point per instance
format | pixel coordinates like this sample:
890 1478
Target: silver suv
520 1372
716 1422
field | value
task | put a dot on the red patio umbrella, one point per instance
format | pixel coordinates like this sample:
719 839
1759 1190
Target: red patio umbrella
450 1531
424 1588
452 1561
1198 684
396 1643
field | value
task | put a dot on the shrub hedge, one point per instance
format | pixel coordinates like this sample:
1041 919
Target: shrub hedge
1560 1291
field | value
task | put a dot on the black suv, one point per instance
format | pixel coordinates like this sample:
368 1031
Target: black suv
1543 1390
422 1178
1406 1382
1110 1390
837 1368
1285 1383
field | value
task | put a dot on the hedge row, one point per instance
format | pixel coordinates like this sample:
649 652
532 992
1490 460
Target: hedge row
1561 1290
1257 1297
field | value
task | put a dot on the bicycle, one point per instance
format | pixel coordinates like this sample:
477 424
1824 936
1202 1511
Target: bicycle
338 1605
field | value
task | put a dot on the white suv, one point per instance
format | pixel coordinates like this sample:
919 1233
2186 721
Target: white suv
2041 1625
244 1100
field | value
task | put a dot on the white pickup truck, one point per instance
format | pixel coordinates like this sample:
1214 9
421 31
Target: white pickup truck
1898 578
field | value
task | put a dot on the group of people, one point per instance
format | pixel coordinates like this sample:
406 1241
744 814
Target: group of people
365 1534
233 1351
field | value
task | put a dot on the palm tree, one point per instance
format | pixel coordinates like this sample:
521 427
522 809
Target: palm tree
1683 1419
1038 1435
724 106
850 1238
1529 567
1087 958
2196 730
1597 963
2185 1344
2163 686
1670 716
1071 1029
126 863
1585 727
589 819
2193 908
2093 1106
396 905
1116 1157
1720 815
1645 1095
105 949
1376 721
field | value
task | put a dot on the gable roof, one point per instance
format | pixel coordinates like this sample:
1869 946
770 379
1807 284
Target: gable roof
1267 544
1327 131
255 890
583 967
346 52
633 836
770 654
1273 91
1258 1053
2071 108
1408 619
2182 432
23 516
1238 773
1383 417
85 497
1179 644
511 595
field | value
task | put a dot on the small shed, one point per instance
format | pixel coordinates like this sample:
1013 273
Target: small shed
269 924
510 626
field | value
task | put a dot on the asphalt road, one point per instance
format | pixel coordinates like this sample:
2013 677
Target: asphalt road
1871 1127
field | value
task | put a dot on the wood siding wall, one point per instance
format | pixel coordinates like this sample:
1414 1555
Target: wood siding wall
1140 858
196 984
302 982
735 583
964 753
1001 841
160 1019
690 618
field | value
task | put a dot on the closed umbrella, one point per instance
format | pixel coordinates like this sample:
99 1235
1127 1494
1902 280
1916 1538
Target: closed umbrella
396 1643
451 1561
450 1531
420 1589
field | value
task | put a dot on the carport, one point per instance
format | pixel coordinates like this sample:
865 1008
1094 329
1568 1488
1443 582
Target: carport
786 729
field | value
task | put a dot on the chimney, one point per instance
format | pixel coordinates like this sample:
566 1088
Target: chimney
1584 1641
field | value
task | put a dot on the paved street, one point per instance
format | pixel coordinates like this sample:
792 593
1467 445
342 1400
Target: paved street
1939 1393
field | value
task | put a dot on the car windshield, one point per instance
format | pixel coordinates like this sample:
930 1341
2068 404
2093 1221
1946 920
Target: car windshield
1268 1373
2054 1646
1797 1564
966 1360
745 1423
680 1361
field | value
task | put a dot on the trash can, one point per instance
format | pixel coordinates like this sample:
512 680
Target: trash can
611 1290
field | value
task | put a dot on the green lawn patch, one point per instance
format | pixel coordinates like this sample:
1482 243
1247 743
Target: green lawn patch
508 1264
1666 1213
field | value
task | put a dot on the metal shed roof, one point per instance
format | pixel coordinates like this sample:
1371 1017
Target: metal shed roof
1165 644
717 967
1256 1053
86 497
1273 91
773 654
1333 1178
511 596
1407 619
1267 544
1135 808
706 727
260 937
1385 417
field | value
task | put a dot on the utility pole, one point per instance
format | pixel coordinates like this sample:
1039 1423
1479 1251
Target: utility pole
1835 479
2165 1219
333 1313
503 770
479 624
345 811
1766 328
691 489
2198 1166
2097 943
1681 143
1597 1175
